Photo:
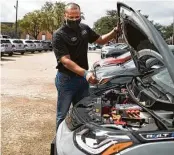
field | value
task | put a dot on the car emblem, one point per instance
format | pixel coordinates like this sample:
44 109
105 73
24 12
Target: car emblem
157 136
84 32
73 39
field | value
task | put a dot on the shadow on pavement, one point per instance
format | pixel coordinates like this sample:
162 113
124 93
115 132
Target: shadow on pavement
28 54
7 59
96 51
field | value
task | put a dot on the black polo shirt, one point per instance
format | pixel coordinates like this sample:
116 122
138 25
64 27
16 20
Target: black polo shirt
67 41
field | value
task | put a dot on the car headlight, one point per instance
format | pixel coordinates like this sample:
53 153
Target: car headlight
106 52
100 141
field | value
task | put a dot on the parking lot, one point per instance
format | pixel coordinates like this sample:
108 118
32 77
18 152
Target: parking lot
29 102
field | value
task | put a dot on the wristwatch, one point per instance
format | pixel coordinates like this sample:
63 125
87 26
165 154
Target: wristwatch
85 73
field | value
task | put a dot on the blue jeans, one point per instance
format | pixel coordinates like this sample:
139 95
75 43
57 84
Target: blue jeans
70 90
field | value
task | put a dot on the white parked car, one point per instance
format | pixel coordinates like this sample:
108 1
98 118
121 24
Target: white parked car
29 45
18 46
6 47
39 46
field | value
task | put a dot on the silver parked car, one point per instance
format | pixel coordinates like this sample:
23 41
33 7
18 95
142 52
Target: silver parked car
91 47
171 47
6 47
18 46
29 45
38 44
46 45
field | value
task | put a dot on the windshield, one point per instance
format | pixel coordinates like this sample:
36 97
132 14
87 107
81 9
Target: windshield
28 41
164 80
109 47
17 41
37 41
5 41
5 36
127 54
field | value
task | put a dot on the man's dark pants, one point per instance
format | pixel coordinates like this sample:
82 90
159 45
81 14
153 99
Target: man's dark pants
71 89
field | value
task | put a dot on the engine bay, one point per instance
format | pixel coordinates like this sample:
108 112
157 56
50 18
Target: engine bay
116 108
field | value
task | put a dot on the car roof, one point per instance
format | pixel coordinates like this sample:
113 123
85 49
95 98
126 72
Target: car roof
4 39
14 39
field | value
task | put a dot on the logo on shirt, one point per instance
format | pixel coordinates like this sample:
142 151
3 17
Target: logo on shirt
73 39
84 32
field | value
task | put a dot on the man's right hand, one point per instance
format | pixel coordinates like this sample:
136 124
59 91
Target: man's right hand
91 78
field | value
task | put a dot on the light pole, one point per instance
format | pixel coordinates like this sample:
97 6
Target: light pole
173 30
16 25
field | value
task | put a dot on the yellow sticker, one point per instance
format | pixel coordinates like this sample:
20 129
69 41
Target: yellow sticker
97 110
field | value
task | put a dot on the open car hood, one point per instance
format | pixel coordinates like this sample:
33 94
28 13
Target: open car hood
140 34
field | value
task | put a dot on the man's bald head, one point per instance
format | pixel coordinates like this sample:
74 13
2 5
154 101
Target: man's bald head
72 6
72 11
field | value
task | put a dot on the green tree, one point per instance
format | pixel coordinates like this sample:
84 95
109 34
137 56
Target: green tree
111 13
6 29
107 23
168 31
49 18
32 23
52 16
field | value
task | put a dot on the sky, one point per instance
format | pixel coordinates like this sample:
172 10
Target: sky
159 11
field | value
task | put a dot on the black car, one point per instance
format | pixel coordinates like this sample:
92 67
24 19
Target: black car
114 50
132 118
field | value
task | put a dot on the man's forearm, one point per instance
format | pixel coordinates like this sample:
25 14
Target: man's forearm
107 37
71 65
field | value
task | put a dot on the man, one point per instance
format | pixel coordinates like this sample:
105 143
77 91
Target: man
70 45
